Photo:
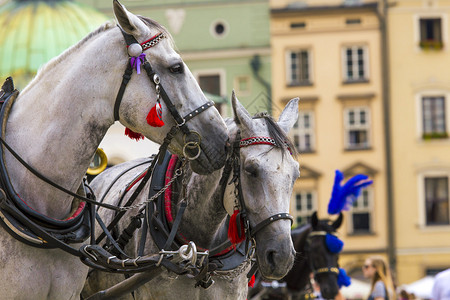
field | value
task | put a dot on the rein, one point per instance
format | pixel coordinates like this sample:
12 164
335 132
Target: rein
40 231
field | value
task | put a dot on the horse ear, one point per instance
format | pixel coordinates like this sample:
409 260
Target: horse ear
289 115
314 220
129 22
336 224
241 115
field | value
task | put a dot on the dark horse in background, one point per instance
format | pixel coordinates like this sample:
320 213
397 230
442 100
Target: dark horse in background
313 256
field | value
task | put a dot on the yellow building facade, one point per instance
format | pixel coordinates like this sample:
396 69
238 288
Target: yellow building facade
375 92
329 55
419 52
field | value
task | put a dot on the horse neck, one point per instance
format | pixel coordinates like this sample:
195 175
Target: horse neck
59 120
204 219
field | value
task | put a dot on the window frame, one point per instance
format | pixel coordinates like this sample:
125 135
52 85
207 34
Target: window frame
369 209
422 197
348 127
366 65
222 84
288 64
300 131
307 213
420 47
420 134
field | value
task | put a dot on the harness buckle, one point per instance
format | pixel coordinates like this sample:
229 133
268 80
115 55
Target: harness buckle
182 124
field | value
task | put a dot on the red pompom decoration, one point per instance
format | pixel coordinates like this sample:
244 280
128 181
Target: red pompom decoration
236 231
251 283
133 135
154 117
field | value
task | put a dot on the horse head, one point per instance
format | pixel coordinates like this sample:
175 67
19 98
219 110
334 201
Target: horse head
203 134
323 249
268 172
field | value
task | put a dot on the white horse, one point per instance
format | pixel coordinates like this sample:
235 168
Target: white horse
267 174
57 123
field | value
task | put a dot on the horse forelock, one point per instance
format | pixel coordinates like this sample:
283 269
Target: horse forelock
152 23
325 225
281 139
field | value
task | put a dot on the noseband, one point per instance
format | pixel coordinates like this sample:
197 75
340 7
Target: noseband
192 139
233 164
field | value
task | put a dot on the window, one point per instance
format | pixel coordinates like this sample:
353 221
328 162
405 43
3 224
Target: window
431 33
298 67
212 84
433 118
436 201
360 221
305 205
242 85
355 64
357 128
303 132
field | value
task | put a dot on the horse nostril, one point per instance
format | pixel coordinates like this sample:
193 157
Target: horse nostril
271 257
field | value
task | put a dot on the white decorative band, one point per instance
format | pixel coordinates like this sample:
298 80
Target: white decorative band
257 140
153 41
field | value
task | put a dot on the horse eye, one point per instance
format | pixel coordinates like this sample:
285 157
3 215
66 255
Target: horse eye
251 169
176 69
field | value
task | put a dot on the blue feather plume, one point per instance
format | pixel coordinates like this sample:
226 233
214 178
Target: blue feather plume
343 278
334 244
342 197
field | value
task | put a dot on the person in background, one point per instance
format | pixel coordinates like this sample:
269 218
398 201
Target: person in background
382 288
441 286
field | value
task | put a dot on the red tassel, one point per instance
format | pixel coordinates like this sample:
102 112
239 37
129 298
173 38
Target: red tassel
251 283
133 135
154 117
235 234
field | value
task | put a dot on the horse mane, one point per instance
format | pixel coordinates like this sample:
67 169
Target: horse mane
104 27
71 49
325 225
152 23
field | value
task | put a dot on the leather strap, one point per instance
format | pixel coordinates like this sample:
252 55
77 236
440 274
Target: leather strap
261 225
198 110
125 79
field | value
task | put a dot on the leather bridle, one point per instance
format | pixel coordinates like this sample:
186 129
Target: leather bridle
192 139
327 269
233 164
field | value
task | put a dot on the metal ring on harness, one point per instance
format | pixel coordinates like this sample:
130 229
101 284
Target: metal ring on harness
192 145
189 252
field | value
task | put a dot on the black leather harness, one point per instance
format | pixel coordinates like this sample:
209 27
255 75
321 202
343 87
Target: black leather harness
164 235
24 223
40 231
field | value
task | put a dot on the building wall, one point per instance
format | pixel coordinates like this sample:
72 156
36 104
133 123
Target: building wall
325 33
415 73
